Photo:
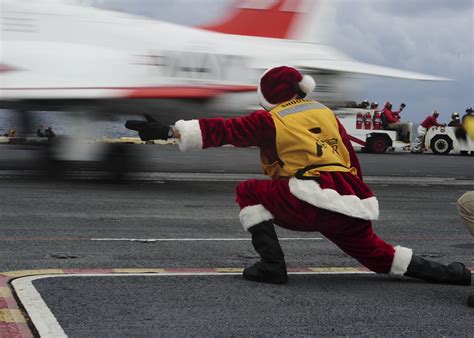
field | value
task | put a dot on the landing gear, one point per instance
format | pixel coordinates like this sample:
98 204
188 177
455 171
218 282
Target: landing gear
70 157
117 162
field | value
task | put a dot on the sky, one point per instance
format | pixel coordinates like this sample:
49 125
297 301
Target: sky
427 36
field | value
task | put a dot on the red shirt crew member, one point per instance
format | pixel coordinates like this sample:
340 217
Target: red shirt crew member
428 122
393 122
432 120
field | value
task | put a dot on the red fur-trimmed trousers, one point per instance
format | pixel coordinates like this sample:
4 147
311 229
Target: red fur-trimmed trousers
262 200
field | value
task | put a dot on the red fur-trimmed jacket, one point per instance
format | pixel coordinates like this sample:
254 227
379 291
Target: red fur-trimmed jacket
339 190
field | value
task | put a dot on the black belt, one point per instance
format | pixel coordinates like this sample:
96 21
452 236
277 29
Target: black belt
300 173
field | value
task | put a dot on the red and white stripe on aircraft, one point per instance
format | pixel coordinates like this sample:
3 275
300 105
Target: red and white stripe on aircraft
263 18
4 68
163 92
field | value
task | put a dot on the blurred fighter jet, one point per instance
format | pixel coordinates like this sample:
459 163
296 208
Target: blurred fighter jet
62 56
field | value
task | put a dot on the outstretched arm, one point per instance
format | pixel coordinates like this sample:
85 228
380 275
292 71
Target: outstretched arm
252 130
437 124
256 129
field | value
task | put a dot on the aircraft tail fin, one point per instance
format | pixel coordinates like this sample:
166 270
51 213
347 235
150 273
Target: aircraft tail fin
279 19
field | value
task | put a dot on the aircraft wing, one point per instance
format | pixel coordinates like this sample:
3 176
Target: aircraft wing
362 68
46 73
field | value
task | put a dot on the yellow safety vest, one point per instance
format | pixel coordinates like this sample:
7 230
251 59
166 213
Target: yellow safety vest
468 124
307 141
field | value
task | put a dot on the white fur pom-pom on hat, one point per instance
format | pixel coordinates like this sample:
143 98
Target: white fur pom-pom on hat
307 84
281 84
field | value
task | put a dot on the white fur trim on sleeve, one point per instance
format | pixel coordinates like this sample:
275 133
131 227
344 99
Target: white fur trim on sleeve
329 199
190 135
307 84
401 260
254 214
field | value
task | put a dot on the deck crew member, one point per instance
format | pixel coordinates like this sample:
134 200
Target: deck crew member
316 181
392 122
455 120
428 122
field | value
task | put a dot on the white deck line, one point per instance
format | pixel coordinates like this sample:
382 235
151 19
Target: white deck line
46 323
162 177
201 239
229 177
43 319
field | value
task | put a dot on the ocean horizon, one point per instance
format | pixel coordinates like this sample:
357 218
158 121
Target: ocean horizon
63 124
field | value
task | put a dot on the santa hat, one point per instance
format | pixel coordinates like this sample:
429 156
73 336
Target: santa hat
282 84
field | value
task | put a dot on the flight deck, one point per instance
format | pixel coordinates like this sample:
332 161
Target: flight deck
161 254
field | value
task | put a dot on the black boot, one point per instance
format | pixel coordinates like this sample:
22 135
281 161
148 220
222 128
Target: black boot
433 272
272 267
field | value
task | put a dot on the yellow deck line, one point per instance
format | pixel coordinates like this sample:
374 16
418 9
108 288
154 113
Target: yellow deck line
5 292
230 270
22 273
11 316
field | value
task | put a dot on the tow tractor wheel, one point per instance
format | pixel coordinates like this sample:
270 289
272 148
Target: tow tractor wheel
377 144
441 144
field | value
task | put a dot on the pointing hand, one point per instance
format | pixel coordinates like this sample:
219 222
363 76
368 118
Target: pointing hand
150 129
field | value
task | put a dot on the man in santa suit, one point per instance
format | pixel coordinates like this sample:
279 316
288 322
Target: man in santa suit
316 181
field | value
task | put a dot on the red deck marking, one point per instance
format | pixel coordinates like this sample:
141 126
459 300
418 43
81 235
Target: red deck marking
9 330
429 238
362 268
43 239
15 330
11 302
3 303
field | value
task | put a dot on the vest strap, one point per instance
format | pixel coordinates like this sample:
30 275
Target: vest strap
300 173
